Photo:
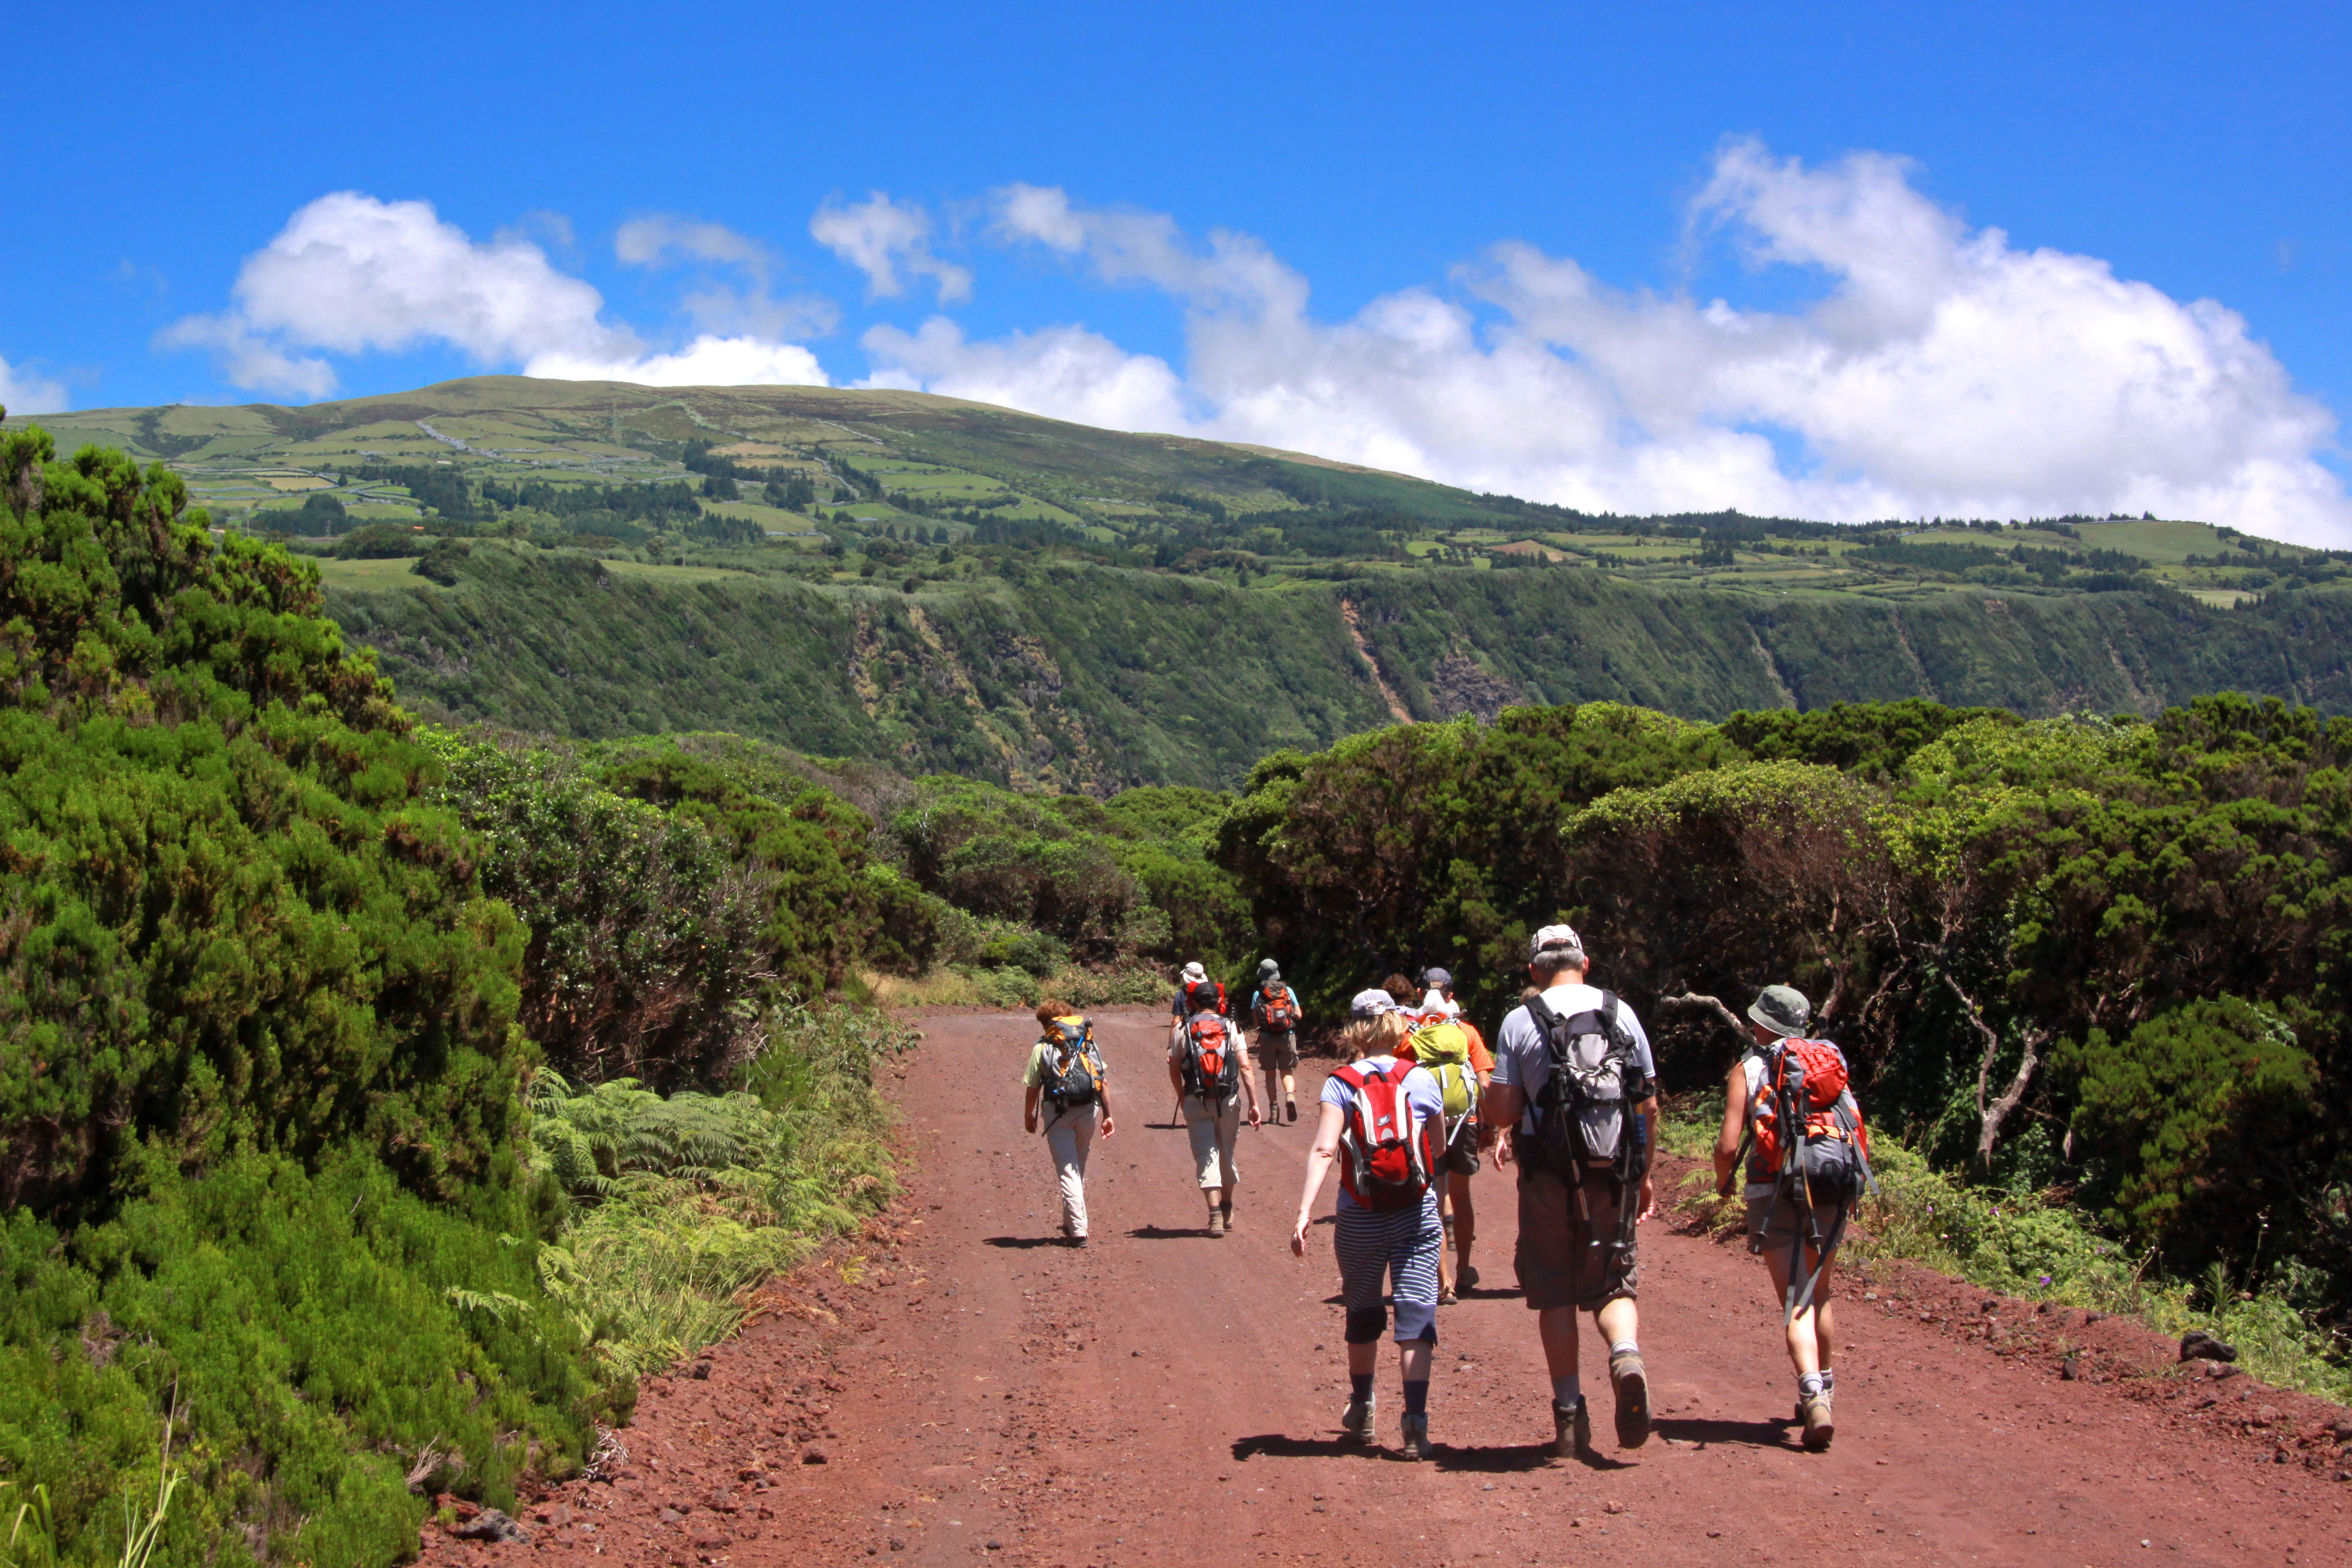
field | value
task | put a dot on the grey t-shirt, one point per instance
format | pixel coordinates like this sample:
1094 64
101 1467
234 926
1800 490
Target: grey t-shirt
1521 1057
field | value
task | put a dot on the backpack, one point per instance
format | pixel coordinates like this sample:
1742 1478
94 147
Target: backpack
1206 996
1213 1069
1277 1008
1442 1047
1076 1074
1389 1156
1595 1078
1805 1108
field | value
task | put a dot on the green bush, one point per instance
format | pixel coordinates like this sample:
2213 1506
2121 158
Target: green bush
384 541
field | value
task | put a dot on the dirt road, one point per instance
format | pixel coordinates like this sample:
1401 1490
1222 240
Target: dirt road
967 1390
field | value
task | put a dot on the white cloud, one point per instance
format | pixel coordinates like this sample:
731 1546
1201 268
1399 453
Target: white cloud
720 308
707 361
351 274
1944 371
883 239
23 392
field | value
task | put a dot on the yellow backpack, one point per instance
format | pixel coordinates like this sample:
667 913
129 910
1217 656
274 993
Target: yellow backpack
1444 1049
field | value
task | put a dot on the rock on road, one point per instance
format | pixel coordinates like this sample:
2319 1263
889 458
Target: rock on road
969 1389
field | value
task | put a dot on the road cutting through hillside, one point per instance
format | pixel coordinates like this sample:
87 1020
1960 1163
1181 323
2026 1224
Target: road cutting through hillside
960 1388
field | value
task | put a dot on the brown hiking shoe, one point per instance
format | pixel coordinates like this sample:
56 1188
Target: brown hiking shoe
1820 1427
1216 1222
1571 1431
1633 1385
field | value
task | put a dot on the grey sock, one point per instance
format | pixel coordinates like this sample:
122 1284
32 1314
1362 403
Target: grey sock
1809 1384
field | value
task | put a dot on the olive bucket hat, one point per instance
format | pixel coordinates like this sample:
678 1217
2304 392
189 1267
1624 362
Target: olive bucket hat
1783 1009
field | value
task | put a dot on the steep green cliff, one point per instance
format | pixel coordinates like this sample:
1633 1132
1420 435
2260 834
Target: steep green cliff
1093 677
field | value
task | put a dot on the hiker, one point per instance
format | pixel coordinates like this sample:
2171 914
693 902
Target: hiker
1209 1066
1573 1087
1180 1006
1274 1008
1067 1084
1463 1068
1801 1184
1383 1119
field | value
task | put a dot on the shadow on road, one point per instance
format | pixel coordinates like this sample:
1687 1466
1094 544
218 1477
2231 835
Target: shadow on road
1756 1434
1161 1233
1023 1242
1276 1446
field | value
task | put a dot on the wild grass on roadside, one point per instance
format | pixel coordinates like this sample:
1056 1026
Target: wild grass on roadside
685 1202
2024 1245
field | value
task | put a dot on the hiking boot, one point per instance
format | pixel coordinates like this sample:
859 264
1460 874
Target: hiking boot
1416 1437
1571 1431
1355 1421
1633 1385
1814 1410
1290 1111
1465 1279
1225 1212
1216 1222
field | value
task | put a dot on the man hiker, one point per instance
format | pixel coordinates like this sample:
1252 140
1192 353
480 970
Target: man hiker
1274 1008
1464 1078
1573 1087
1067 1087
1209 1066
1382 1118
1802 1179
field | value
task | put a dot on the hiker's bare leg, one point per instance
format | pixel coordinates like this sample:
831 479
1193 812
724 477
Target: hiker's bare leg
1465 1220
1810 1332
1412 1359
1289 1088
1556 1325
1363 1358
1272 1078
1446 1181
1620 1321
1216 1196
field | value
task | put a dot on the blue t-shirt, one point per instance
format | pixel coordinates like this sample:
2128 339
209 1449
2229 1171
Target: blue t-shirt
1522 1060
1421 1092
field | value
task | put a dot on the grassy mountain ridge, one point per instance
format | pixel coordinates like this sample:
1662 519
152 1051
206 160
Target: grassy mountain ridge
1093 677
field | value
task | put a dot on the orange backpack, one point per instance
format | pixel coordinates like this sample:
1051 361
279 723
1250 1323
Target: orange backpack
1806 1081
1212 1066
1277 1006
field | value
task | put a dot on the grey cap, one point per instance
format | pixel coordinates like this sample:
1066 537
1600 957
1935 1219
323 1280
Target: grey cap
1556 939
1437 979
1370 1004
1783 1009
1268 966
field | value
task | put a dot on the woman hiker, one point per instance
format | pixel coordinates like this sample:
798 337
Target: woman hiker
1782 1224
1066 1086
1209 1066
1389 1117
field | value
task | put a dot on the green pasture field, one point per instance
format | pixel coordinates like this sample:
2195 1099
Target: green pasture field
666 574
353 575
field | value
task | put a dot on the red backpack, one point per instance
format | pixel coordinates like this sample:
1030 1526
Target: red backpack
1277 1006
1388 1155
1212 1066
1805 1081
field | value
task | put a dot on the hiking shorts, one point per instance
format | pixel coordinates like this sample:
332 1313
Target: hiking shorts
1461 1157
1277 1049
1774 1222
1567 1259
1393 1253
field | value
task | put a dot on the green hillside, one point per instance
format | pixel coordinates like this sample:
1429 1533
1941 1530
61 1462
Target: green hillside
938 584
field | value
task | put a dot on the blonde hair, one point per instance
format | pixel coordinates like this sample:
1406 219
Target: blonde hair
1376 1036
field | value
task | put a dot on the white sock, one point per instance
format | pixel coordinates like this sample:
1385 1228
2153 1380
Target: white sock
1624 1347
1829 1381
1566 1391
1810 1384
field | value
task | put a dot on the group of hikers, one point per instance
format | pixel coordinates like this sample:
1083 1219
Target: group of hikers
1567 1096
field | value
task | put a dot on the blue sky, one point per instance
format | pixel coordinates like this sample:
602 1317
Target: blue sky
1373 157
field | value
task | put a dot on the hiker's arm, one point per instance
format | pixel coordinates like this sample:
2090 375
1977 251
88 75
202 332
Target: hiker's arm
1500 1108
1175 1070
1319 1165
1648 1111
1249 1075
1735 1125
1029 1107
1102 1092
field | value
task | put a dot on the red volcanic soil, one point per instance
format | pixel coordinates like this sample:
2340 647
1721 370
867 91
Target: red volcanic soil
955 1389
